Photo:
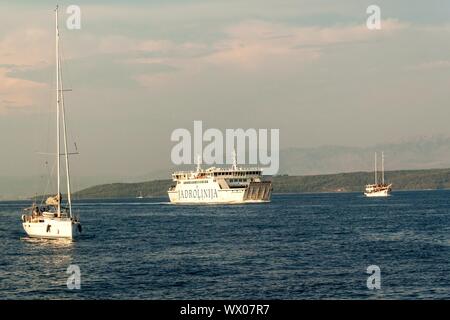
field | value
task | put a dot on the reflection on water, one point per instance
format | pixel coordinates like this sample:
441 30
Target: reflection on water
308 246
48 243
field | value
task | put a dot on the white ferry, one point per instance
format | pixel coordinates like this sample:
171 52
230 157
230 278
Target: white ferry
378 189
220 185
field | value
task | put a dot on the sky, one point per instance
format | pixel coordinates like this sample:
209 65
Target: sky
138 70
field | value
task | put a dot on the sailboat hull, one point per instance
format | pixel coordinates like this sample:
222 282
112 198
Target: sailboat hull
378 190
383 193
46 228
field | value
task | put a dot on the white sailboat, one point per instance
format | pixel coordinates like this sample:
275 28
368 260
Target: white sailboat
51 220
378 189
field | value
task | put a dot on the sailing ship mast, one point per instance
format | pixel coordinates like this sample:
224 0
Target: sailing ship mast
376 178
382 168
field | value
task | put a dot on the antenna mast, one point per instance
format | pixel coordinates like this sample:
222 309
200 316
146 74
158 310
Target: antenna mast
199 159
234 160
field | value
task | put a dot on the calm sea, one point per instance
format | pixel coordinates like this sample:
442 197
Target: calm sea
308 246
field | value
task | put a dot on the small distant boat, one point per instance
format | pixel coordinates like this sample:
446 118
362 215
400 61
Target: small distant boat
378 189
140 196
51 220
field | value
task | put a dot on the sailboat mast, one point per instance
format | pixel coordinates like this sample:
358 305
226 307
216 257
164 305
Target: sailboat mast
58 156
376 180
382 167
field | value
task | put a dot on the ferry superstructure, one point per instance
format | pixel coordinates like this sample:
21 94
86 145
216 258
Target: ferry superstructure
220 185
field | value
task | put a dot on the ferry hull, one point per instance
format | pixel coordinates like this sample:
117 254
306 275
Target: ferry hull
254 193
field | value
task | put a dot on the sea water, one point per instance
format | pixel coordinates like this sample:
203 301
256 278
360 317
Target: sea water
299 246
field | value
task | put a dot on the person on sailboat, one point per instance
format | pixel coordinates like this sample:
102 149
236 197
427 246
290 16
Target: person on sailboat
35 211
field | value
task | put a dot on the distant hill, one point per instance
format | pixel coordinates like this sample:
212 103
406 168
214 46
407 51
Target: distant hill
126 190
413 154
355 181
341 182
20 188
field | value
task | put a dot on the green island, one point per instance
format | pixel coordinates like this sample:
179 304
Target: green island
430 179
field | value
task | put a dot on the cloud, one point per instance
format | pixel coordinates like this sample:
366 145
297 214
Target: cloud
20 50
249 46
18 93
26 47
253 43
431 65
258 46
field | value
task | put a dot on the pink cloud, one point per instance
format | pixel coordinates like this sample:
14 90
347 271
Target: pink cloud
18 93
253 43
